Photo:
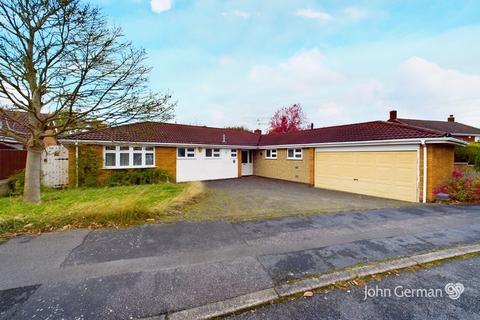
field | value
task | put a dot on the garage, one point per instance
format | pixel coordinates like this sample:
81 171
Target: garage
386 174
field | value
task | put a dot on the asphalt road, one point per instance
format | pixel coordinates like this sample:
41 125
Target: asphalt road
397 302
157 269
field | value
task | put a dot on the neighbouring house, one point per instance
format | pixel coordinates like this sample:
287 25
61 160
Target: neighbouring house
13 154
379 158
451 127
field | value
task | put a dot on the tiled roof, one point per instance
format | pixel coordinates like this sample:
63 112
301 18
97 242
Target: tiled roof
367 131
15 121
444 126
170 133
156 132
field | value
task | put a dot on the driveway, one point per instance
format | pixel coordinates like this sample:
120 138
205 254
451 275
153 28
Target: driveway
255 197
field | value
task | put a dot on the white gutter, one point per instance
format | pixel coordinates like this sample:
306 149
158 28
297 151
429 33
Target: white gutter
448 140
425 171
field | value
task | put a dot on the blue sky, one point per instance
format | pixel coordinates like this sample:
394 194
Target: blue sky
234 62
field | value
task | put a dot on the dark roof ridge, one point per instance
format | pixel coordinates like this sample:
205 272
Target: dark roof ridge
321 128
439 121
398 122
191 125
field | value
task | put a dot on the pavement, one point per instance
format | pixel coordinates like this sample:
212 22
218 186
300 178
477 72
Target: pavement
389 298
159 269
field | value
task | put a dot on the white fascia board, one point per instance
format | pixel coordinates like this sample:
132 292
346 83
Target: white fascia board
8 139
156 144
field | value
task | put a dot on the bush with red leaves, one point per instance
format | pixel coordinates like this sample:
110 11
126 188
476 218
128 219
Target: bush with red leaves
461 187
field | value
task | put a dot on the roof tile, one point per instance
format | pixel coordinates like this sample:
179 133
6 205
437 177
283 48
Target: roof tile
155 132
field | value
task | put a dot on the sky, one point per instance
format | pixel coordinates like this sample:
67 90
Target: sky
235 62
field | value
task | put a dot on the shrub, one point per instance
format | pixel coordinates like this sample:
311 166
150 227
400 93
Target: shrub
461 187
17 182
88 167
136 177
468 153
477 162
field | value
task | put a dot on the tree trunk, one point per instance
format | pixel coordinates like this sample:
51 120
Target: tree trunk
31 191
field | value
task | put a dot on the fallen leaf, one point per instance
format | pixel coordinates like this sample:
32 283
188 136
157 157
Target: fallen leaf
150 220
308 294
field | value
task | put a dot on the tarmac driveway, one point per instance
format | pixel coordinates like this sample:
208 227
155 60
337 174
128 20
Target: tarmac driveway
256 197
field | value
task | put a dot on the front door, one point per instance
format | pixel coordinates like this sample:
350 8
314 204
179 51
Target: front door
247 162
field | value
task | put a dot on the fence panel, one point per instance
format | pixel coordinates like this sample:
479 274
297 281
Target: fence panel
11 161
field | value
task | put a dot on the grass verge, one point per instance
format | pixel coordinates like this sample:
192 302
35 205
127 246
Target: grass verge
96 207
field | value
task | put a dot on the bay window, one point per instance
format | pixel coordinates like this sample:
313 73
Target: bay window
121 157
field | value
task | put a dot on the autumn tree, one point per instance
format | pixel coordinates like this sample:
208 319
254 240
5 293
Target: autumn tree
288 119
63 65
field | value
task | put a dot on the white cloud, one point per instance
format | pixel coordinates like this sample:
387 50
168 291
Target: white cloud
237 13
314 14
355 13
302 73
426 89
160 6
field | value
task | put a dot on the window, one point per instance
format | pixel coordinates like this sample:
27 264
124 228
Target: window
186 153
128 157
212 153
271 154
233 153
294 154
110 159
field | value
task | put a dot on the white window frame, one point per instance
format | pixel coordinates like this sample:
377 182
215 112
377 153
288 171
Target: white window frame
216 153
271 154
190 153
131 150
297 154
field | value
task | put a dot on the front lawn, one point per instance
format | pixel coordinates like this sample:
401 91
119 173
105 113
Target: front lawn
95 207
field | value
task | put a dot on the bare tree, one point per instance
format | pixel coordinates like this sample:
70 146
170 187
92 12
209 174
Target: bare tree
62 64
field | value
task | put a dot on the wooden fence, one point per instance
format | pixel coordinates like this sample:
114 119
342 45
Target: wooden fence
11 161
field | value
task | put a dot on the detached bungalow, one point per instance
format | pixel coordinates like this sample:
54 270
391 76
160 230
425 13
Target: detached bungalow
454 129
379 158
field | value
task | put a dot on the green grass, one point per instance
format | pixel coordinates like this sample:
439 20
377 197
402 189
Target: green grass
95 207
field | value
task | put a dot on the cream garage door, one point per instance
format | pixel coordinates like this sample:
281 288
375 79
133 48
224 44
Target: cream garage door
382 174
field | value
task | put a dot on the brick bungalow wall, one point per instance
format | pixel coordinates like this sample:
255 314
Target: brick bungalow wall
283 168
165 158
440 167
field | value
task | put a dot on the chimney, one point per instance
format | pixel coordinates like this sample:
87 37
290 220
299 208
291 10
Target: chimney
311 126
224 140
393 115
258 131
451 118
